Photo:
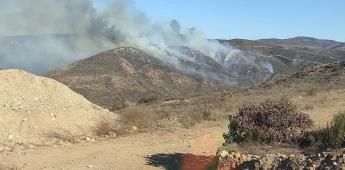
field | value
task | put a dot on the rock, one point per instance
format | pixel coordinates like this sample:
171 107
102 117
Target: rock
112 134
89 166
11 136
224 154
237 155
134 128
53 116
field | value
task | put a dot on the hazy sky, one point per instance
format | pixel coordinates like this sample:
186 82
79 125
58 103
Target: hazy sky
253 19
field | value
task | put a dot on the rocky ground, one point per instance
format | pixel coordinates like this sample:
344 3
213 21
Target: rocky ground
323 160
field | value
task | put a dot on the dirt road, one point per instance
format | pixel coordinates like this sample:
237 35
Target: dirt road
151 150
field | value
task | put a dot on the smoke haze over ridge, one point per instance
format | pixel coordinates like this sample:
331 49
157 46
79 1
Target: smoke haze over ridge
41 35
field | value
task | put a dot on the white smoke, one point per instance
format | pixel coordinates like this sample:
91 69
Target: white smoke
46 34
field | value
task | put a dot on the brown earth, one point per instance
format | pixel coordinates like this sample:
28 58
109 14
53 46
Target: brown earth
180 148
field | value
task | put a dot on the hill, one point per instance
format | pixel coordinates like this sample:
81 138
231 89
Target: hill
127 75
302 42
124 76
290 55
325 75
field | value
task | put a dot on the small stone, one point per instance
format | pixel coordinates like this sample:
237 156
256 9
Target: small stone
224 154
112 134
135 128
335 164
237 155
11 137
53 116
89 166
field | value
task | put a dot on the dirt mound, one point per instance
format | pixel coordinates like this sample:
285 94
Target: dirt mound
35 110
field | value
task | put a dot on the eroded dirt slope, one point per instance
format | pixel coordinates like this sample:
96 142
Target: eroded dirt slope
34 110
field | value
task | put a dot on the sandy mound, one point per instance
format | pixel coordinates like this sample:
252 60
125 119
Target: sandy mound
35 109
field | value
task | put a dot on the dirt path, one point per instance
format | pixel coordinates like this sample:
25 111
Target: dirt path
125 152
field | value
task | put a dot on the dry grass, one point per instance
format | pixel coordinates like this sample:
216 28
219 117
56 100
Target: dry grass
142 118
310 98
180 112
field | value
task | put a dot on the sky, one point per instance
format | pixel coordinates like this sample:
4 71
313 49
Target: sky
252 19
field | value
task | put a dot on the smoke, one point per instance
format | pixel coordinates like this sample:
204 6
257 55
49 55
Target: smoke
40 35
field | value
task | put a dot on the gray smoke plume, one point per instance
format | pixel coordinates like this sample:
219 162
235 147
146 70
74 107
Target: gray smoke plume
40 35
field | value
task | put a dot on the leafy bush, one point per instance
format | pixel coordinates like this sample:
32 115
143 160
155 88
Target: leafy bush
269 121
333 136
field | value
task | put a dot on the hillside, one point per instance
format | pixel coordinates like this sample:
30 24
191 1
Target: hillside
291 55
124 76
129 75
38 110
326 75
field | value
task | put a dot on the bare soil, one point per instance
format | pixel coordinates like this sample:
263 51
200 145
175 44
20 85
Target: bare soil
153 150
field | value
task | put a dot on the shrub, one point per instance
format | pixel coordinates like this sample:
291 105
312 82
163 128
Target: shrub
269 121
105 127
140 117
118 105
224 94
333 136
195 115
311 92
149 99
308 107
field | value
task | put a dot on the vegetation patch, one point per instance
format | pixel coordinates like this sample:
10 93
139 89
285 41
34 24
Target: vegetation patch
333 136
149 99
267 122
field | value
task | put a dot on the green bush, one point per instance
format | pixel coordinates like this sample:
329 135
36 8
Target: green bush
333 136
269 121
